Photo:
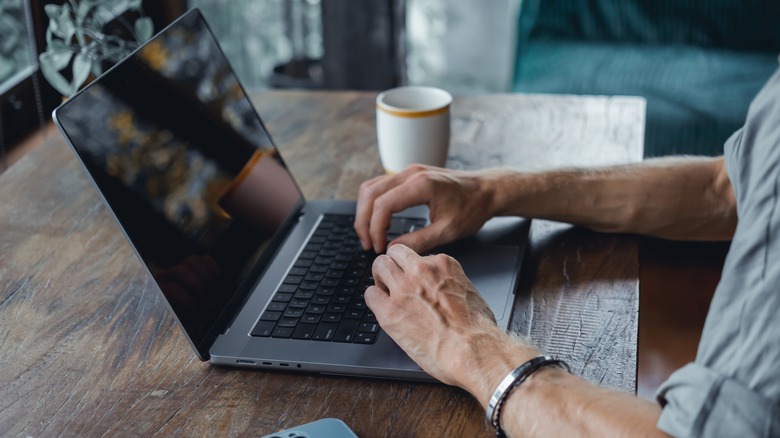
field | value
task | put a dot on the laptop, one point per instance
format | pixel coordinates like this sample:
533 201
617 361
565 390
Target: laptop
256 275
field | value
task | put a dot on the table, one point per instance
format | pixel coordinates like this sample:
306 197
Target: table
88 348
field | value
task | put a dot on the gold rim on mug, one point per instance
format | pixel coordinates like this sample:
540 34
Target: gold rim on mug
414 113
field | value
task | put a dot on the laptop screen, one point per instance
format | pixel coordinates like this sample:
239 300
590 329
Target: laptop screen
186 165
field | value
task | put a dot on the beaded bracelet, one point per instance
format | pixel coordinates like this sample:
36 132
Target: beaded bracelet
512 380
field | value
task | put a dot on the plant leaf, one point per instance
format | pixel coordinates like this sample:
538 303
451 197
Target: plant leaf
143 29
60 21
84 7
97 70
54 77
56 59
52 11
81 66
134 4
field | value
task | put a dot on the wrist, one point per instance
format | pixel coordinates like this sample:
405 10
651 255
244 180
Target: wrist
495 187
487 359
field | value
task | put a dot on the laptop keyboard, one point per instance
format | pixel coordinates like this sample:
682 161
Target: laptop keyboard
321 298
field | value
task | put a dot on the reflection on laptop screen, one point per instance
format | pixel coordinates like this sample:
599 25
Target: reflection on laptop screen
180 155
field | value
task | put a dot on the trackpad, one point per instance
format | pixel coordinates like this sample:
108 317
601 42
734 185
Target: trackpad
493 270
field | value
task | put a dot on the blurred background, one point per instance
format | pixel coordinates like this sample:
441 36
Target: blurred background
313 44
697 62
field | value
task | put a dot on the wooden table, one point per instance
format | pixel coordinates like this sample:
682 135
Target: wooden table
88 348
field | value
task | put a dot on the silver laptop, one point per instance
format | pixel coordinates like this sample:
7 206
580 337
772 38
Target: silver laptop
256 275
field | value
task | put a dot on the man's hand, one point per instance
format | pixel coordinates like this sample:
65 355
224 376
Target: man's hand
459 202
432 311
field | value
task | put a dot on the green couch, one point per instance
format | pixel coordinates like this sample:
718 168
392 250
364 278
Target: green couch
698 63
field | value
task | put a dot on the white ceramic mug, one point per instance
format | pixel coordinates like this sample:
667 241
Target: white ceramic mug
413 126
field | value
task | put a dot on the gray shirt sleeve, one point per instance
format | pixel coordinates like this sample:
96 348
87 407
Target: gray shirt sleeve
733 387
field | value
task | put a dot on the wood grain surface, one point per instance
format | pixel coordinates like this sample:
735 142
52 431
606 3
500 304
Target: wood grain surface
88 348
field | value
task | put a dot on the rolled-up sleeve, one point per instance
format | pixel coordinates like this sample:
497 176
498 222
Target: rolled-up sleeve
733 387
698 401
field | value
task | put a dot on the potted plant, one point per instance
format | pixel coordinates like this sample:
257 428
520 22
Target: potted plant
78 40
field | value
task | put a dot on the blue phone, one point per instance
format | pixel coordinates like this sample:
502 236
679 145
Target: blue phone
325 428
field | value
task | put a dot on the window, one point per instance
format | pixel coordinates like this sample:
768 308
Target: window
24 99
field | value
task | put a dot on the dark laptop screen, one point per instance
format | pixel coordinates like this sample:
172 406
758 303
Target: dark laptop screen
180 155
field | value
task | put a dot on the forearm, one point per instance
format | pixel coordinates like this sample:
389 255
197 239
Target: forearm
553 402
677 198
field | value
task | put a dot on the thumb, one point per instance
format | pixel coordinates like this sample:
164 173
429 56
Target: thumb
423 239
377 300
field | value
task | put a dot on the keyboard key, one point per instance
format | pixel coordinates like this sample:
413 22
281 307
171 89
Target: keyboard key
304 294
307 255
311 318
298 303
319 269
338 308
298 271
313 247
288 288
350 281
320 299
360 264
271 316
351 249
282 298
369 317
293 313
334 273
342 299
326 290
263 329
308 285
369 327
323 260
276 307
287 322
303 263
303 331
332 244
345 290
313 276
324 331
358 304
316 308
365 255
322 232
339 265
364 338
293 279
332 282
346 331
332 317
282 332
354 314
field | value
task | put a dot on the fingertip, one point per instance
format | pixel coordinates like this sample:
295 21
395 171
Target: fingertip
379 248
374 297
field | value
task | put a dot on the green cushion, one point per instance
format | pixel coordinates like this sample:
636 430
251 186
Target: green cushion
696 97
733 24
